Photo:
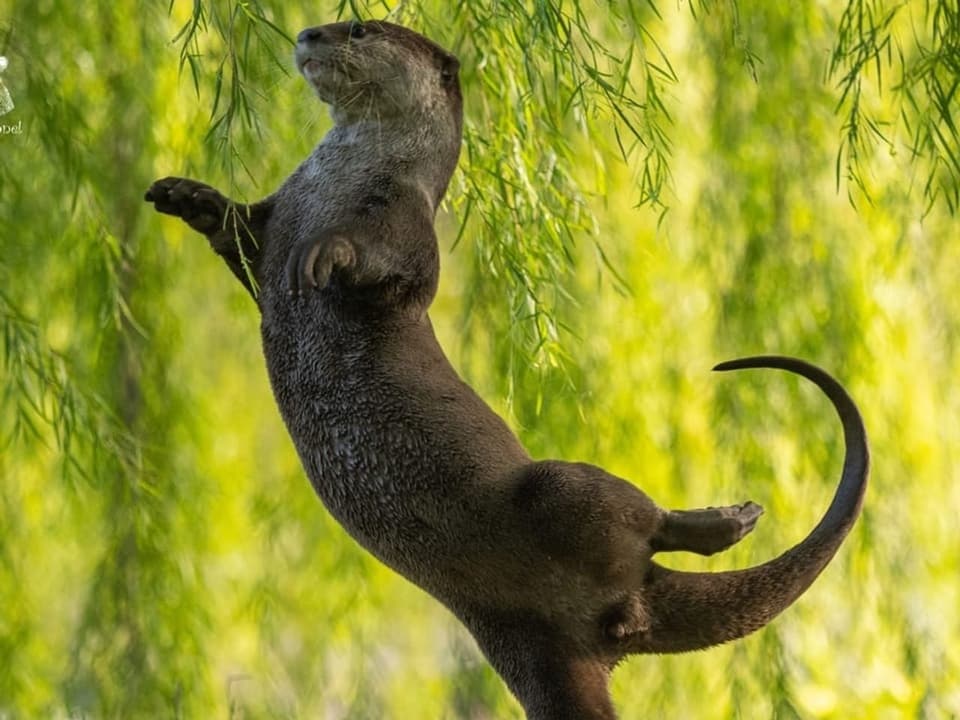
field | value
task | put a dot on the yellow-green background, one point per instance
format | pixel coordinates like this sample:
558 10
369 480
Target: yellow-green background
162 554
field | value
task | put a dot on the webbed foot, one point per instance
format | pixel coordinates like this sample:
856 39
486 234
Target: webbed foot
705 531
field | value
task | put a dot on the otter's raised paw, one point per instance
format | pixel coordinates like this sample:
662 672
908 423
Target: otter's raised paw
311 264
201 206
706 531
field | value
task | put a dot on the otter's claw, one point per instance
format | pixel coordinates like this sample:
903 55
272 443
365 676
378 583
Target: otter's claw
311 264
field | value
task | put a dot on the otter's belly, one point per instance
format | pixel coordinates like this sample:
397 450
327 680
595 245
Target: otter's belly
411 462
380 463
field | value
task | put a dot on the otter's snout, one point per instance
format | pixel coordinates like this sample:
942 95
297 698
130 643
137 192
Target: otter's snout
310 36
313 44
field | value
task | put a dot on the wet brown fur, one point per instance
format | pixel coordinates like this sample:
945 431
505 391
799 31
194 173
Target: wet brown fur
547 563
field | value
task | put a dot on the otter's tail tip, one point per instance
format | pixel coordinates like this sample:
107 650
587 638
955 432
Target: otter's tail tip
767 361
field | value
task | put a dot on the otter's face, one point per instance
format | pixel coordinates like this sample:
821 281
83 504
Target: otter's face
377 70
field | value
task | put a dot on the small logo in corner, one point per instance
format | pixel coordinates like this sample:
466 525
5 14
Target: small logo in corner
6 101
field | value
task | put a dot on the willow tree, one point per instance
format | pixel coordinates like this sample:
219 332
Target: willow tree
644 189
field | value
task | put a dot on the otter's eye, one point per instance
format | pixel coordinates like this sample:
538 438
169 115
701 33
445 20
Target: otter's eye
357 30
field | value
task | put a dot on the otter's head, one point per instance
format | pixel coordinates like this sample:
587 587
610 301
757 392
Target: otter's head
379 71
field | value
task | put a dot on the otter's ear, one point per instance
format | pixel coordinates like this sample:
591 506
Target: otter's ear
449 67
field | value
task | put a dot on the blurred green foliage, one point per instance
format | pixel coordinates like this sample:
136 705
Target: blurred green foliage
645 189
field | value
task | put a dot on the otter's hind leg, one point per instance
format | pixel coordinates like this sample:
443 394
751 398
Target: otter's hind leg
552 677
705 531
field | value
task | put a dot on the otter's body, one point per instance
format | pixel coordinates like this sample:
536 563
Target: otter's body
548 564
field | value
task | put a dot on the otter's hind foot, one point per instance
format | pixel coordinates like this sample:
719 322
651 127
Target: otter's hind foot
705 531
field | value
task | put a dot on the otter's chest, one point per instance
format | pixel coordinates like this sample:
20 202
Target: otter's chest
327 189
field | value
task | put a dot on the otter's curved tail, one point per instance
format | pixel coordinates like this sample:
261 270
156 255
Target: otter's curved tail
691 610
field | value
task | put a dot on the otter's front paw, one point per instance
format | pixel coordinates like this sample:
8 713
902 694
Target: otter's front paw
311 264
201 206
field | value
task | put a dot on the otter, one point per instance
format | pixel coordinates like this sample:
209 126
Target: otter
548 564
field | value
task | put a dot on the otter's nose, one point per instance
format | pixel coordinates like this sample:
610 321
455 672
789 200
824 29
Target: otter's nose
309 35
